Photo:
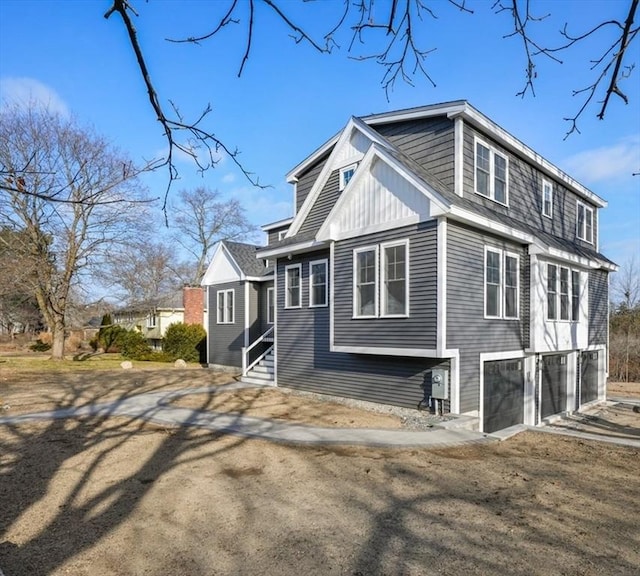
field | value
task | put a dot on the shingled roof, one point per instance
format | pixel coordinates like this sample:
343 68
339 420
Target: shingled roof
245 257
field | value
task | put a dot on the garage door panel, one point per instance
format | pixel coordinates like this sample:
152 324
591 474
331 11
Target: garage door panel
554 385
589 377
503 404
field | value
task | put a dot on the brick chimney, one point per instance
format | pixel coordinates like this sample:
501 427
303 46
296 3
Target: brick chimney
193 302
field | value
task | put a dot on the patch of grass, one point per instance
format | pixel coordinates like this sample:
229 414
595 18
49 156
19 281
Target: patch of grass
95 362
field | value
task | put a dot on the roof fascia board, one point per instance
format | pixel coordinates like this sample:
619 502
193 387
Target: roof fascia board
467 217
318 185
290 249
377 152
570 258
278 224
437 110
478 119
224 250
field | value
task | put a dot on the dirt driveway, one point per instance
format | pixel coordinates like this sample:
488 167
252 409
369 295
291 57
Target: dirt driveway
119 497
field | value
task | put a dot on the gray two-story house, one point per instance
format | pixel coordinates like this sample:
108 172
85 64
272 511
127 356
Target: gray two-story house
433 260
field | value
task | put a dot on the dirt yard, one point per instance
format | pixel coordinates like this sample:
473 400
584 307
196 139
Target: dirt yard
119 497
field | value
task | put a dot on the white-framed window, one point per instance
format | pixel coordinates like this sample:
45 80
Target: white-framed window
491 173
225 306
318 284
381 280
395 278
152 320
282 234
502 284
293 286
563 293
271 305
584 224
346 174
547 198
365 282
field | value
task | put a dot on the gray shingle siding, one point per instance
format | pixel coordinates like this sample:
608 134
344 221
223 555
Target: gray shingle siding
467 328
305 362
307 180
322 206
525 194
430 142
225 341
416 331
598 304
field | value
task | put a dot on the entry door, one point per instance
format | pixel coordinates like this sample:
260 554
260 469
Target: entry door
554 385
503 404
589 377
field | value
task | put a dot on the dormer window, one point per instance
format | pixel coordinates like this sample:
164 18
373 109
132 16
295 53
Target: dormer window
282 234
547 199
346 174
491 173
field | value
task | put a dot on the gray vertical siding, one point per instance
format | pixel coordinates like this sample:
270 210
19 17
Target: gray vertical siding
525 196
307 180
598 304
225 341
416 331
305 362
429 141
467 329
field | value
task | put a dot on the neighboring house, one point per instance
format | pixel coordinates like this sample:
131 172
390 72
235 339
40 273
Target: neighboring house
433 260
153 317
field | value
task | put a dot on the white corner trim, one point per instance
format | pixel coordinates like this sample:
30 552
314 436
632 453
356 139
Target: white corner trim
441 288
247 314
458 158
331 295
454 379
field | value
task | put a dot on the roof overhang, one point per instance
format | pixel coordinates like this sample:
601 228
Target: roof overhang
278 224
290 249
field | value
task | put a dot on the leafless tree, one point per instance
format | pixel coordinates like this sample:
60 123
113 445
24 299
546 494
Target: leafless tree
396 34
71 196
142 271
202 218
625 321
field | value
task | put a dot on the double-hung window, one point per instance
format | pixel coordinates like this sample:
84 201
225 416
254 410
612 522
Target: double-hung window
502 284
547 199
395 295
491 173
381 280
152 320
225 306
318 285
293 288
585 222
563 293
365 271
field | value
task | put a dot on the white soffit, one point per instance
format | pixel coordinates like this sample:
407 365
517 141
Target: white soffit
222 268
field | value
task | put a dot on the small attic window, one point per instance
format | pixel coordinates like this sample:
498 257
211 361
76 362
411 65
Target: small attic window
346 174
282 234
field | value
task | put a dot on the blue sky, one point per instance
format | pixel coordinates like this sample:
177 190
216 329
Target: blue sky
290 98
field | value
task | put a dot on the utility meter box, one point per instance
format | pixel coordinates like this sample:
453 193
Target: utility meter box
439 381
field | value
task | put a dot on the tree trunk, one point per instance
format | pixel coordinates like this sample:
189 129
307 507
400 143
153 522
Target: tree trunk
57 341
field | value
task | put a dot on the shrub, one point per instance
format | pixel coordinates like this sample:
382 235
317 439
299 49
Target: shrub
40 346
184 341
110 338
133 344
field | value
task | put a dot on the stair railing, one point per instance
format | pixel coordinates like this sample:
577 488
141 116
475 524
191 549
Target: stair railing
266 337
